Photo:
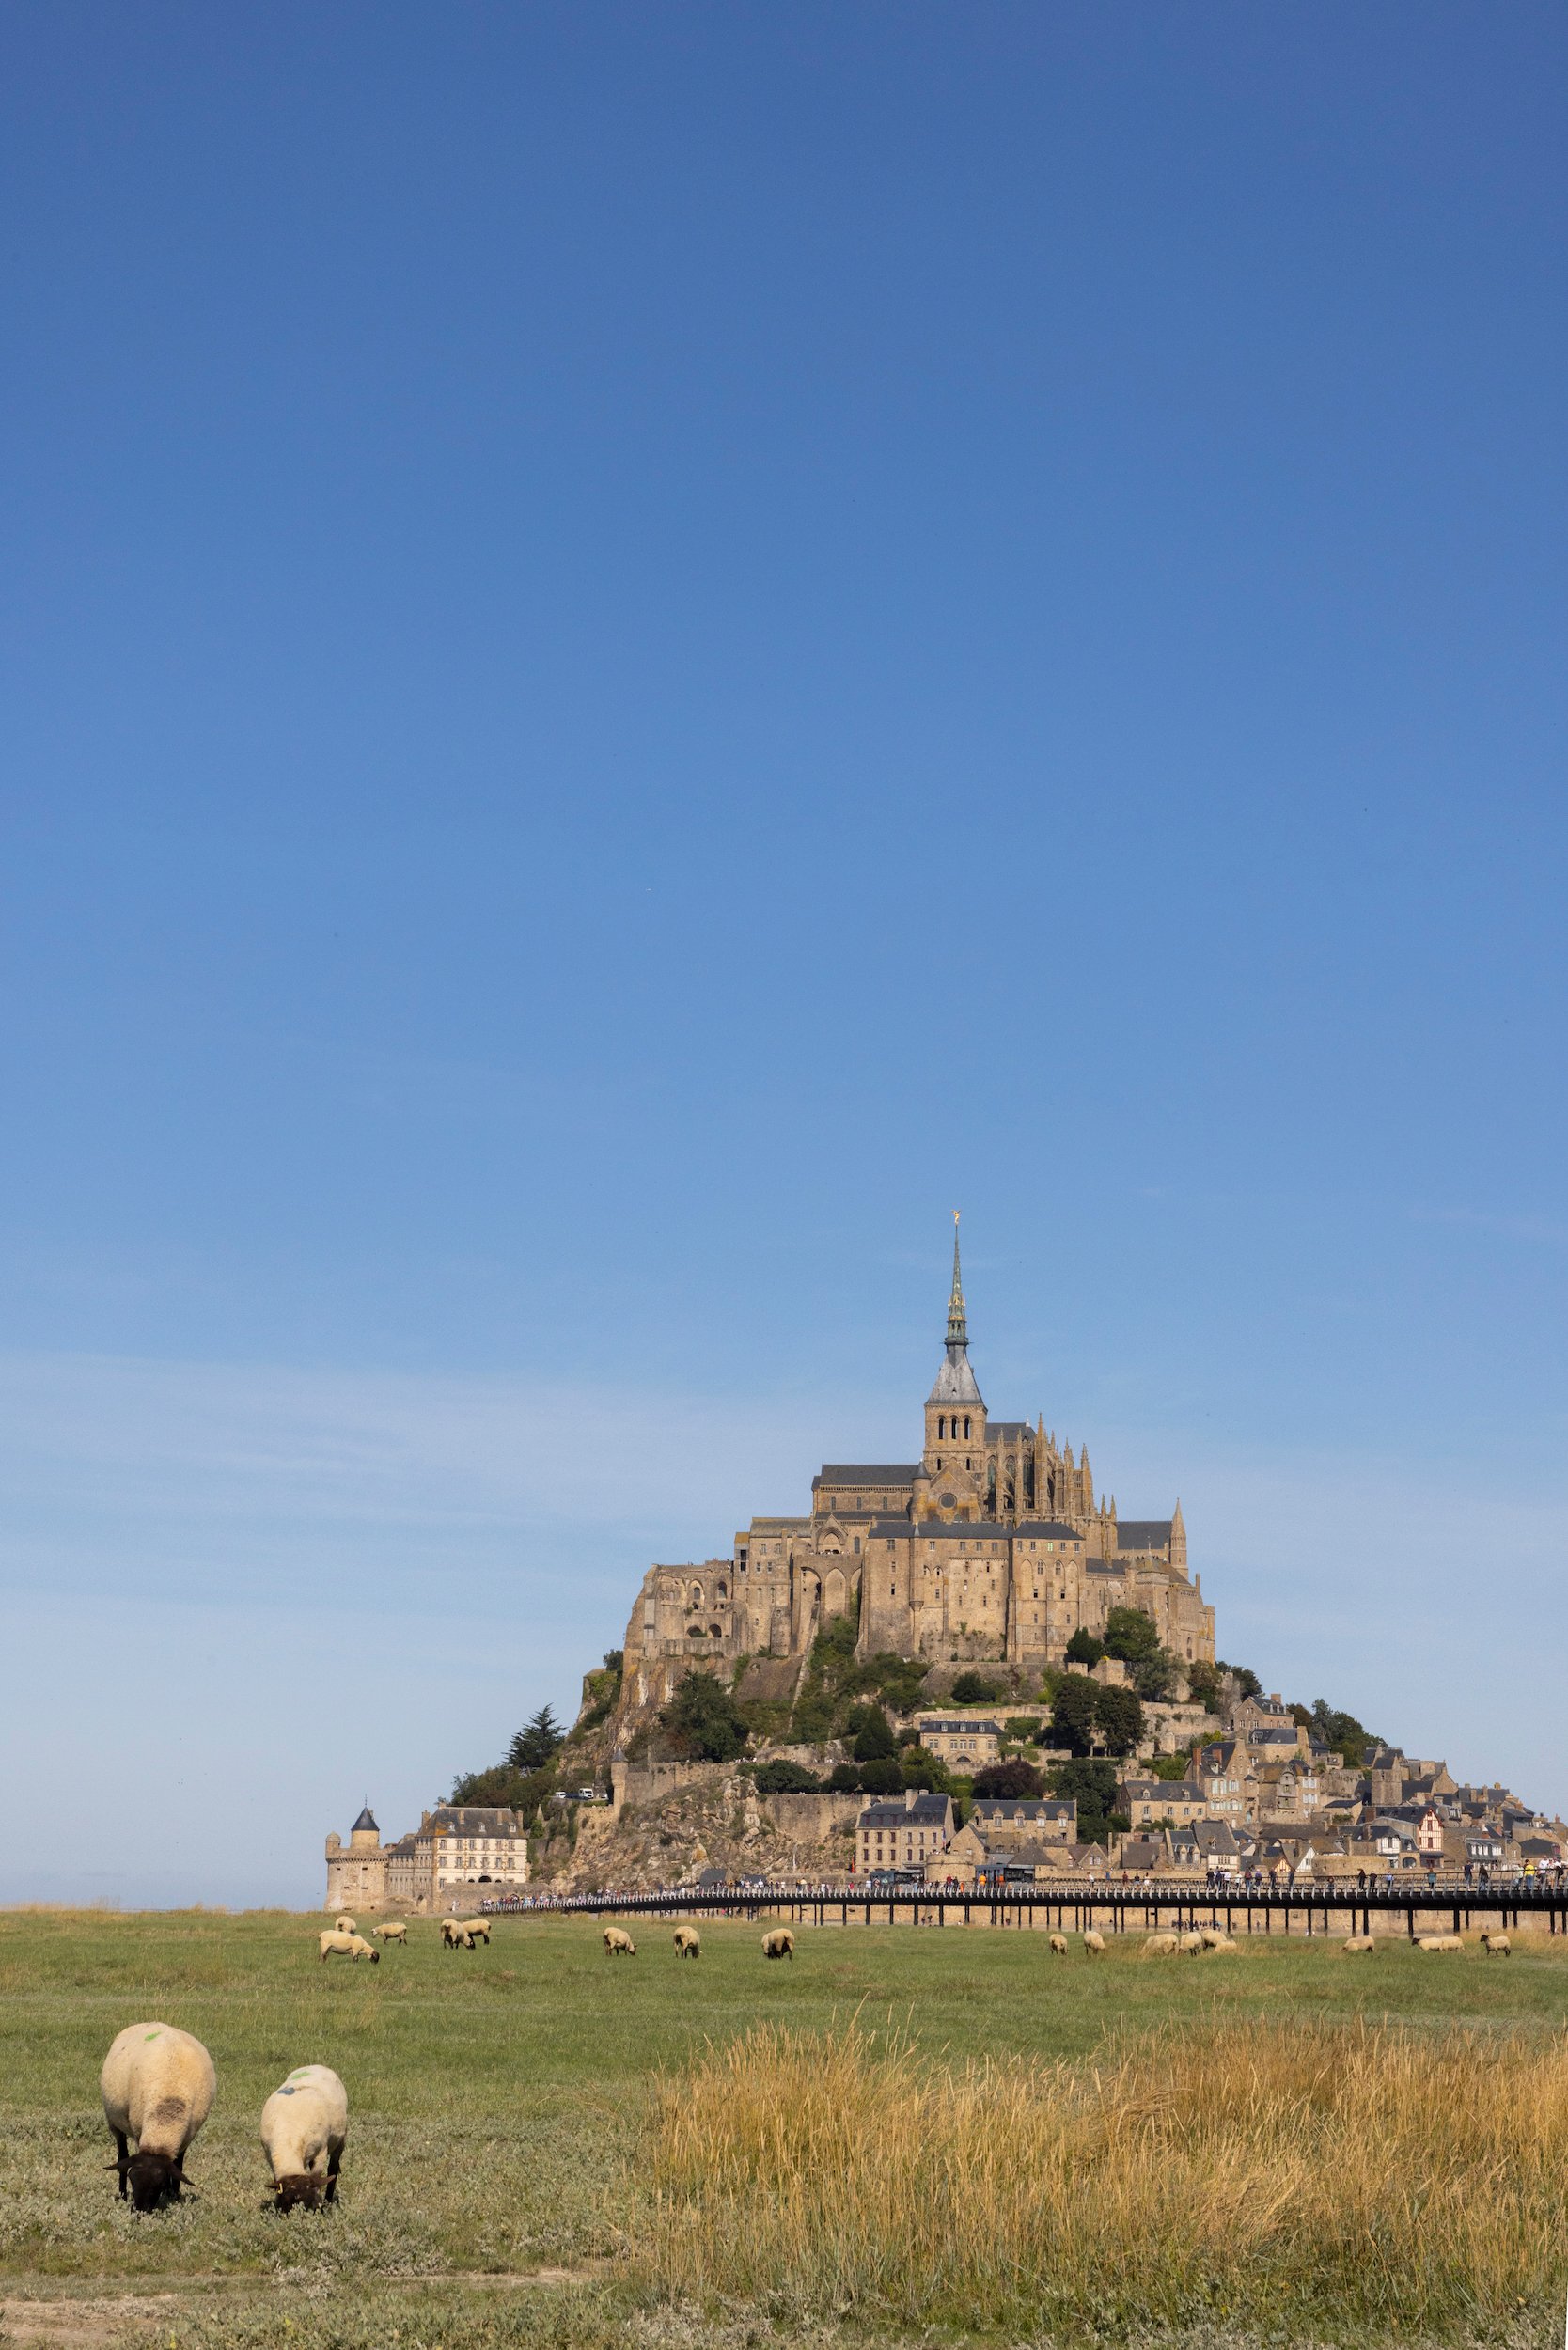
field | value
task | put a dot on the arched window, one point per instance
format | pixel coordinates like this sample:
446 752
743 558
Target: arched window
965 1427
941 1427
694 1595
721 1590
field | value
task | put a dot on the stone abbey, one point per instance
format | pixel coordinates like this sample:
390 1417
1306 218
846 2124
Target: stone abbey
992 1545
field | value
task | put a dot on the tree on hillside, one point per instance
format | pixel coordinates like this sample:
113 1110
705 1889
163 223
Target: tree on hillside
1075 1712
1119 1716
1204 1686
1084 1648
872 1733
1092 1787
1131 1636
537 1742
702 1720
972 1688
920 1768
1342 1732
1246 1680
881 1777
1008 1780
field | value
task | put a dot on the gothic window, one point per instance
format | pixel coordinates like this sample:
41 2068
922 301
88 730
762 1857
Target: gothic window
965 1427
721 1590
941 1426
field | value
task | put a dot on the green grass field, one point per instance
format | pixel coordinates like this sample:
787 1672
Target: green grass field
502 2105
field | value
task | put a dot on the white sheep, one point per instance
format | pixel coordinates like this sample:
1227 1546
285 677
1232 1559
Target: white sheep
1189 1944
158 2086
1058 1946
477 1930
1495 1944
396 1931
1160 1946
305 2127
1094 1944
347 1945
1438 1942
1222 1947
688 1942
618 1942
1358 1946
1213 1938
779 1943
346 1925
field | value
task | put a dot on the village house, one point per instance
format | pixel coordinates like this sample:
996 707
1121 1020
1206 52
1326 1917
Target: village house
1176 1801
902 1832
959 1738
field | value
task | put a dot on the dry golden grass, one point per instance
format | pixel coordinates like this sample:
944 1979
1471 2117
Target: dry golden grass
1347 2180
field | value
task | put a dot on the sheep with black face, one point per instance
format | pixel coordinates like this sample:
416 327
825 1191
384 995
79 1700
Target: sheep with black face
157 2085
305 2128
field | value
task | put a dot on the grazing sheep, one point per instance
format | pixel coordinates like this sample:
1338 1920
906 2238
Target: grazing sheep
1189 1944
158 2086
347 1945
1496 1945
452 1936
1357 1946
1160 1946
780 1943
688 1942
1221 1945
1438 1942
305 2127
618 1942
346 1925
394 1933
1058 1946
1213 1938
476 1929
1094 1944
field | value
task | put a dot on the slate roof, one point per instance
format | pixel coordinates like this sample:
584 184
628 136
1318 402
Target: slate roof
926 1812
1143 1533
366 1819
866 1473
475 1819
955 1381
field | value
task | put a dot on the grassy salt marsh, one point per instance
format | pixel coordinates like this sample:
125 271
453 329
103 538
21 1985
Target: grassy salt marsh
902 2133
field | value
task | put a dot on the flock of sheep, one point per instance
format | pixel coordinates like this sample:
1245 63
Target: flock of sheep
777 1943
159 2082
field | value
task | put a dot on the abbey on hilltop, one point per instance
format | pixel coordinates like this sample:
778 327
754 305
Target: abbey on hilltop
992 1545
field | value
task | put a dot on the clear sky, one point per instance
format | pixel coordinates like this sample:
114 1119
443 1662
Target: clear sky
644 647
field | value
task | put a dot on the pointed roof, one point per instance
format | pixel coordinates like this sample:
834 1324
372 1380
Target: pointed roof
366 1819
955 1381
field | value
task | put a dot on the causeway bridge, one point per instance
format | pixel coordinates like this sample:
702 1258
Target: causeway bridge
1132 1908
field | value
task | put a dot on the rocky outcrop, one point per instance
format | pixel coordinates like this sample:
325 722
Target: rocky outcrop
716 1820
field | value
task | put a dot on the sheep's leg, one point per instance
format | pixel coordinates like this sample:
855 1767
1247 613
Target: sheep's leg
335 2160
123 2161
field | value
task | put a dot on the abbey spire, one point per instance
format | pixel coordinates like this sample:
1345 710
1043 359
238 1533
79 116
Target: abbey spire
958 1323
955 1381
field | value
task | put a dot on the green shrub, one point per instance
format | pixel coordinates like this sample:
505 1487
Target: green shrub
972 1688
785 1778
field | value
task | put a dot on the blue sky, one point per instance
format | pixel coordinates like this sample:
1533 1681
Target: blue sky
643 647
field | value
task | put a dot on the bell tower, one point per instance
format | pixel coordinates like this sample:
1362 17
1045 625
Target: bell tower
953 1461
